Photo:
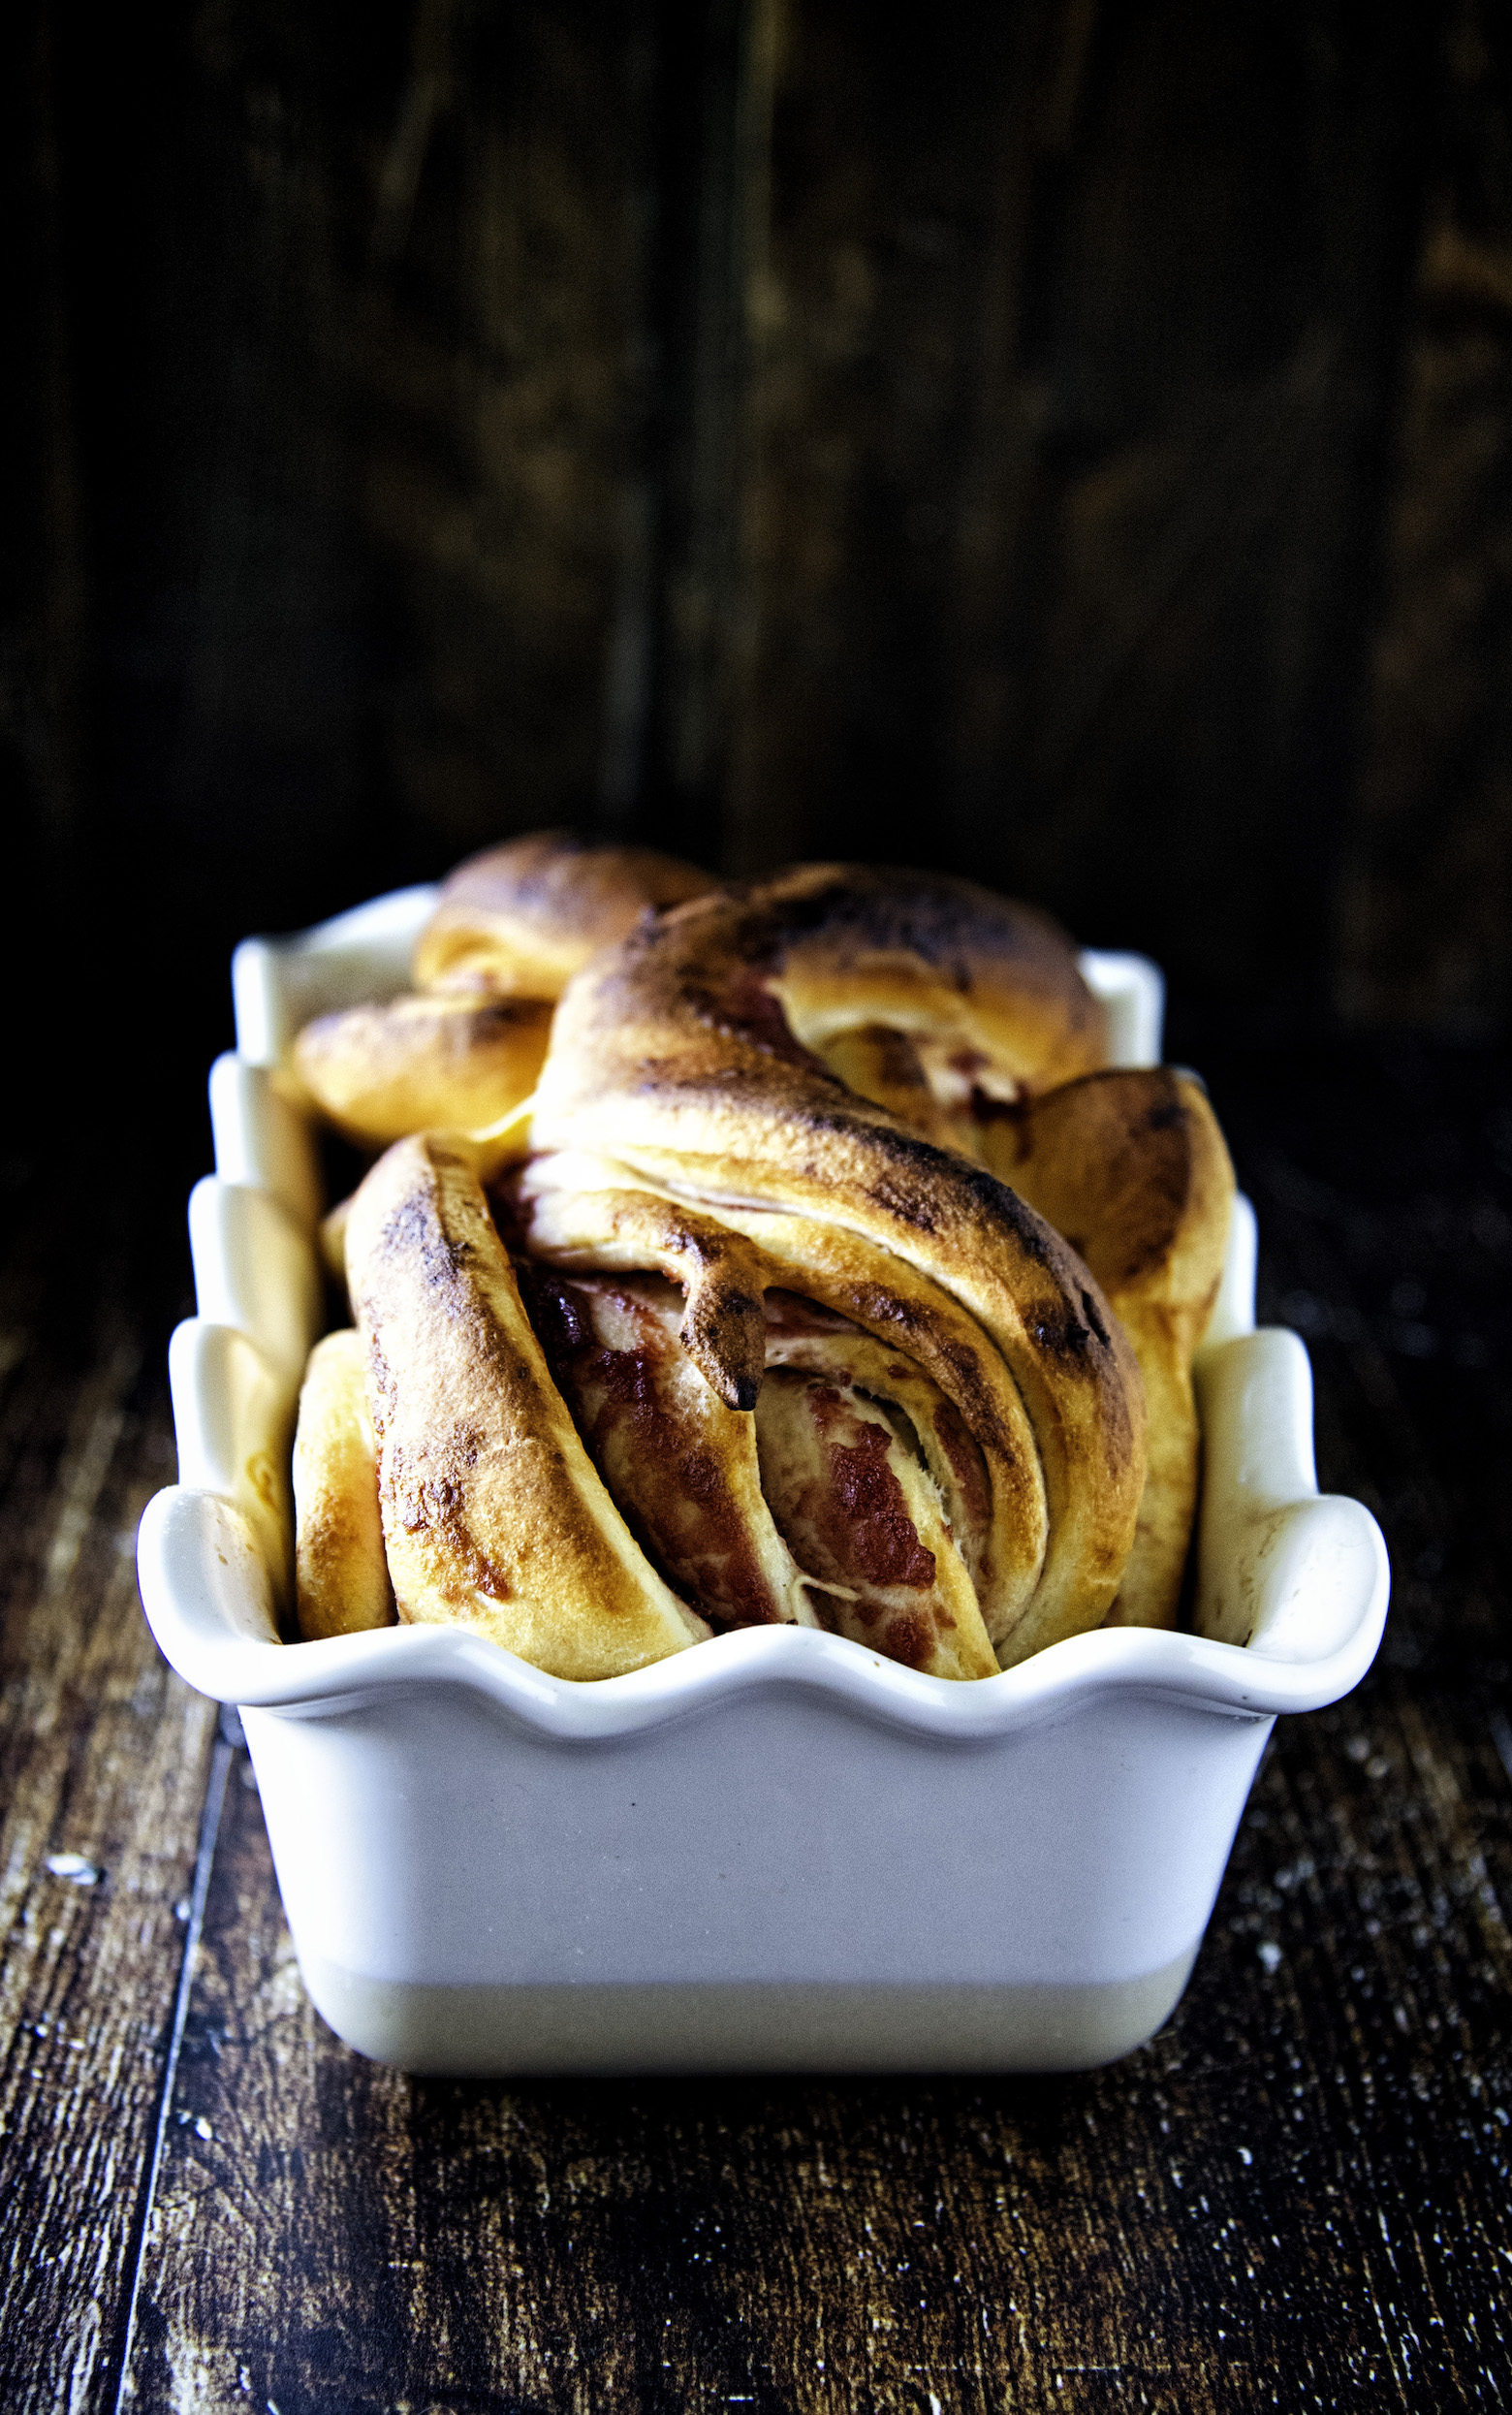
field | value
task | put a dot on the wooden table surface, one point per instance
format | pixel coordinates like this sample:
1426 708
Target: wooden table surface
1295 2196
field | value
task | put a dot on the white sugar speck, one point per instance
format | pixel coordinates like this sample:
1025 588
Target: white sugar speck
73 1865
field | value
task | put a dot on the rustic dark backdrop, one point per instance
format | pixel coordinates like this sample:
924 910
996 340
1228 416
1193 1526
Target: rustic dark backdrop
1064 441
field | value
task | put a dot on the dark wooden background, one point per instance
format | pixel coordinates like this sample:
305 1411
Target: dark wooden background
1064 441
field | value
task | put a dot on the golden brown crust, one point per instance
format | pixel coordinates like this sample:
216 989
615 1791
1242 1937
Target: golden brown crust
1132 1168
493 1515
341 1577
674 1058
510 927
520 919
988 991
886 1066
938 1446
447 1064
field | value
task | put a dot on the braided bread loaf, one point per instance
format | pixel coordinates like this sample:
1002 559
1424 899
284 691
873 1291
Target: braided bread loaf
743 1344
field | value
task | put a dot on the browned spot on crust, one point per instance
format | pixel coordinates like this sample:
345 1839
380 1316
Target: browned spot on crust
909 1637
520 919
966 1462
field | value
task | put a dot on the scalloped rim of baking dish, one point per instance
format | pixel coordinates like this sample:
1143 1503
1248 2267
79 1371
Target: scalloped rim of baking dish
1292 1584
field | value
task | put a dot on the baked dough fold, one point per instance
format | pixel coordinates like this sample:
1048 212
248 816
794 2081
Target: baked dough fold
341 1576
510 928
675 1066
1132 1168
493 1515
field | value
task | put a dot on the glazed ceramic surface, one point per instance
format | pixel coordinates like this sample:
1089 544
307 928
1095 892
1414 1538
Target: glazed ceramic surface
774 1850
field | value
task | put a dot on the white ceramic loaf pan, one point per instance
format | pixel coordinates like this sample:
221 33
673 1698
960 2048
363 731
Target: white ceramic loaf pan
774 1850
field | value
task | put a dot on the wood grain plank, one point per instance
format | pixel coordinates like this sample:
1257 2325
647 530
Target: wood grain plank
865 319
1072 368
492 418
386 257
103 1759
1427 891
494 347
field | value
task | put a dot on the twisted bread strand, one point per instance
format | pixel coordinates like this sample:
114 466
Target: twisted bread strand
518 920
510 928
493 1515
583 1213
1132 1168
673 1060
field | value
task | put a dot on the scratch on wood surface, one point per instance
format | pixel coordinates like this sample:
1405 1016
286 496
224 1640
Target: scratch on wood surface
205 1857
96 1430
103 1757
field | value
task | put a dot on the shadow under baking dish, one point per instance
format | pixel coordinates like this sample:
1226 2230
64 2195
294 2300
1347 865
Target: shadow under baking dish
774 1850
